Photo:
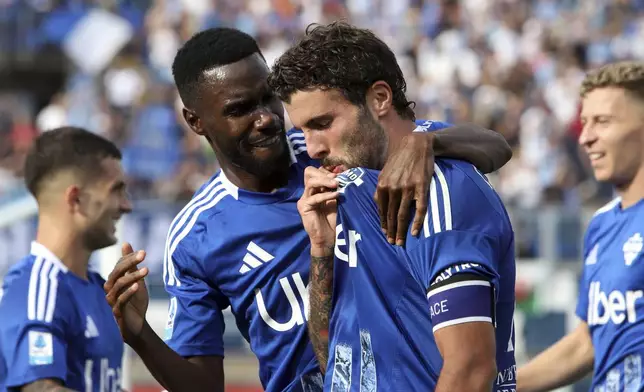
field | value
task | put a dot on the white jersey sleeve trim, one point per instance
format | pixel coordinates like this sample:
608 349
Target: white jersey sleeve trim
454 285
43 290
185 221
462 320
438 206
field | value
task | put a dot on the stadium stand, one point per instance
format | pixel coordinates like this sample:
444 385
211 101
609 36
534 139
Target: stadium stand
513 66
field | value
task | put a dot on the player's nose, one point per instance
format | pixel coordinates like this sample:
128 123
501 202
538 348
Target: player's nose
316 146
264 119
587 136
126 206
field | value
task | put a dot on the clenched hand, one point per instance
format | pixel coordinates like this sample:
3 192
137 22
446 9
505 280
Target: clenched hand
318 206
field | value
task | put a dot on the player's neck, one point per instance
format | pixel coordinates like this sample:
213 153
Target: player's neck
253 183
397 128
634 191
64 244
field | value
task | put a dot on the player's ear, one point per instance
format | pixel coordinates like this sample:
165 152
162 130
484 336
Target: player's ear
193 121
73 198
380 98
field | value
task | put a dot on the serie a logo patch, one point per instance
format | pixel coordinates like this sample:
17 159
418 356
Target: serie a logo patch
41 348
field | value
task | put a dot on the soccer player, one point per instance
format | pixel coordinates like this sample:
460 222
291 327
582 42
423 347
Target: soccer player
240 241
434 314
57 332
610 334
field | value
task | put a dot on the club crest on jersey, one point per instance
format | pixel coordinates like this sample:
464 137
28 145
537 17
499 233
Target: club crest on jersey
632 248
348 177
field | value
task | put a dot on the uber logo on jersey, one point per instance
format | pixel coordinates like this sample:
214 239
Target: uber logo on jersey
298 316
615 306
352 254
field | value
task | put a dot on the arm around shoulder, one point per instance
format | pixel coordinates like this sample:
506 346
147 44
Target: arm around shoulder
486 149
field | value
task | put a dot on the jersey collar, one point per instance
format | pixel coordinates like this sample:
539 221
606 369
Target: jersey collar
39 250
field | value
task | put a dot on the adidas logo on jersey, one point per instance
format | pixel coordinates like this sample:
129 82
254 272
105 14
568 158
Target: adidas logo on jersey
615 306
632 248
90 330
254 258
592 256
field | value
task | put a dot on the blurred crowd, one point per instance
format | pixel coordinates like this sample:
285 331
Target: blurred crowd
510 65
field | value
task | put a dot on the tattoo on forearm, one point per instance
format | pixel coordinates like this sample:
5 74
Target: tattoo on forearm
321 290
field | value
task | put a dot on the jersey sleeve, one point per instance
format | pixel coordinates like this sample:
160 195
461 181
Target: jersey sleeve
195 323
36 322
466 236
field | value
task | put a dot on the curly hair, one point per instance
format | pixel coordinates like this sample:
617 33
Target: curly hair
343 57
628 75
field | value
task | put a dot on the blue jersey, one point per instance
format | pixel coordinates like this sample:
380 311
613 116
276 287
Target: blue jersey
56 325
611 296
388 300
249 251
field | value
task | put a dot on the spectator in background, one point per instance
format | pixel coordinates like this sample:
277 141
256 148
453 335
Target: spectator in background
511 65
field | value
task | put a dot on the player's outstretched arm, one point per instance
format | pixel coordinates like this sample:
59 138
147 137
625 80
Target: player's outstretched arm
567 361
408 171
318 210
45 385
127 294
469 357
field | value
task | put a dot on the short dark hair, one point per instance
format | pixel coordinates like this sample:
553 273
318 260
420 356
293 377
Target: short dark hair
66 148
344 57
205 50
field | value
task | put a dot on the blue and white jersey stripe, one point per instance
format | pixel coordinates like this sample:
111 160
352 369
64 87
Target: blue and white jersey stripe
439 212
43 288
297 141
206 198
